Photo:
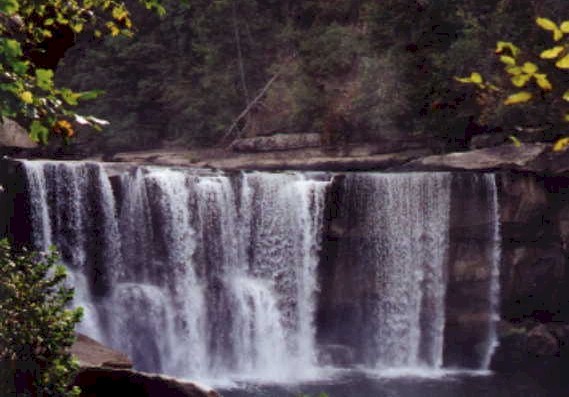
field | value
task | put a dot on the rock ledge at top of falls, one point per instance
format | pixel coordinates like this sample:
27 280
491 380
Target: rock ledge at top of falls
360 158
530 157
534 157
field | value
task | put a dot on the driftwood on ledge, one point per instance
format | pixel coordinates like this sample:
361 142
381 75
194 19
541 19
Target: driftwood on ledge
250 106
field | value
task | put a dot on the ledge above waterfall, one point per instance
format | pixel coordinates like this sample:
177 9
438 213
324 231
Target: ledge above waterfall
529 157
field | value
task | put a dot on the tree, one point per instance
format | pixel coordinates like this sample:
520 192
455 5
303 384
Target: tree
535 81
37 327
33 38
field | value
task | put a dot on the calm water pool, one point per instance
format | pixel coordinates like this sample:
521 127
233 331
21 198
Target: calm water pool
453 385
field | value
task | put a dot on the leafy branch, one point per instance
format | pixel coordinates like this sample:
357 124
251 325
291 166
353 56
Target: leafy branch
28 93
527 80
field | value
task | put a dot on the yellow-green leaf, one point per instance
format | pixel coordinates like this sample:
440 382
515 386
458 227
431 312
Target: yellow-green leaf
476 78
115 31
529 68
564 27
44 79
119 13
546 24
543 82
519 97
552 52
515 140
38 132
27 97
70 97
77 28
503 45
11 48
465 80
563 63
520 80
515 70
549 25
561 144
566 96
566 118
9 7
508 60
492 87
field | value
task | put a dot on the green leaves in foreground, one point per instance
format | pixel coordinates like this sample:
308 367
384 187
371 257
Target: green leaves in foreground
37 326
523 73
519 97
28 93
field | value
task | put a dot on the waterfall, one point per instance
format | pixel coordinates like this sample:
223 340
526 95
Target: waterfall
283 216
41 224
494 258
401 224
203 275
207 275
67 200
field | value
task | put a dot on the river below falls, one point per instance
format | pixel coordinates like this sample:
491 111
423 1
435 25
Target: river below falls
361 385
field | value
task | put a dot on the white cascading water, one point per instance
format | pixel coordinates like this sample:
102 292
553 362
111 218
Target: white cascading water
61 217
407 219
494 258
418 209
276 290
200 282
38 204
206 275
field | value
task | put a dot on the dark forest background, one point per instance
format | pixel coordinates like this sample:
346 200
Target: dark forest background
357 70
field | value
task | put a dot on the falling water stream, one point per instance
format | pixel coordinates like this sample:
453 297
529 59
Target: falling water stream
207 275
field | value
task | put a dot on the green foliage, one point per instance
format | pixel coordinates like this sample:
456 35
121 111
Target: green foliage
28 93
37 325
546 82
383 66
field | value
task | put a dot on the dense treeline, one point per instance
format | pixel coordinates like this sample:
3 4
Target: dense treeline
350 69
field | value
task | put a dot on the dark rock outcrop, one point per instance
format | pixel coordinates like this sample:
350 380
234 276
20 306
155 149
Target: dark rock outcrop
541 342
99 382
531 346
107 372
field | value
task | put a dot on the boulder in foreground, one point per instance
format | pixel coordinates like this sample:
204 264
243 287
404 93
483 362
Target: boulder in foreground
107 372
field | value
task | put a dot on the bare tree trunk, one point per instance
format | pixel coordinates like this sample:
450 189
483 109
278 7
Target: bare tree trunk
249 107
